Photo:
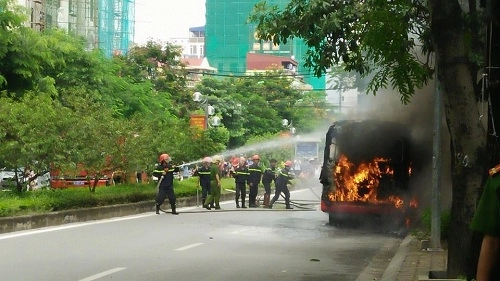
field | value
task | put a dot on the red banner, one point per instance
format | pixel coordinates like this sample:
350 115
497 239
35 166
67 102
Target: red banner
199 121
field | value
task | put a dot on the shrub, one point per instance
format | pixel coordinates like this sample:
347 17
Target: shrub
426 218
44 201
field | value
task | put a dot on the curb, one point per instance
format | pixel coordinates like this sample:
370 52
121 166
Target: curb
28 222
392 270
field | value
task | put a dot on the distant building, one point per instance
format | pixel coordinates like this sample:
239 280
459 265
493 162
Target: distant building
197 68
105 24
194 45
229 40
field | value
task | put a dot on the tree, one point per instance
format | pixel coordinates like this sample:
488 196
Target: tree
394 41
255 105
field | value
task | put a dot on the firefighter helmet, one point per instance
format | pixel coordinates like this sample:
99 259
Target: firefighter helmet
288 163
165 157
207 159
256 157
217 159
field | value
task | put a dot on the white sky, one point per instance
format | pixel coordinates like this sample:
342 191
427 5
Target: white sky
166 19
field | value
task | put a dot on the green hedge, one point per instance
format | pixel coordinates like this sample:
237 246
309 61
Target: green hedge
44 201
445 221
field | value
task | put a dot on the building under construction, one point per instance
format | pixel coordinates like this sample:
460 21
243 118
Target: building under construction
229 39
105 24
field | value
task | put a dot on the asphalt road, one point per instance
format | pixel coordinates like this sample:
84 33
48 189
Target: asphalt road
231 244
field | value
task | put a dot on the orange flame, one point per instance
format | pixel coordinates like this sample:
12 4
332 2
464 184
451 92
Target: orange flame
407 222
414 203
361 183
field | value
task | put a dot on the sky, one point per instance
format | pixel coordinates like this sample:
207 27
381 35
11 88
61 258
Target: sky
166 19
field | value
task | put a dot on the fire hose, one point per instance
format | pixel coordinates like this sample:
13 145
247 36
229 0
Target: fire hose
300 204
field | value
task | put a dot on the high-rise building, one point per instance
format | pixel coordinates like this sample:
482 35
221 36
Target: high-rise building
228 40
105 24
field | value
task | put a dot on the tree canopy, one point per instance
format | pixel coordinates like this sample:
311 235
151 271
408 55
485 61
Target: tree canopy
402 44
64 107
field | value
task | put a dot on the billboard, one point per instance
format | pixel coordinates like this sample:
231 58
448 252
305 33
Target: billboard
306 149
199 121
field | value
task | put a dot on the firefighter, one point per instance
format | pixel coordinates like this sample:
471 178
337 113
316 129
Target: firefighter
204 178
255 177
285 176
240 175
215 183
268 177
164 171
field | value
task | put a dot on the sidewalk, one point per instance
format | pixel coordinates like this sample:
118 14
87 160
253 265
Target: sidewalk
411 263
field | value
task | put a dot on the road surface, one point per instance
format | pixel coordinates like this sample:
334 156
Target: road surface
230 244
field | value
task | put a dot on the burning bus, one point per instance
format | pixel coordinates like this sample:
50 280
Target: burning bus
366 171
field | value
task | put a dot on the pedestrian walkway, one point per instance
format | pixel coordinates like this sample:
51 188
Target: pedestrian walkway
412 263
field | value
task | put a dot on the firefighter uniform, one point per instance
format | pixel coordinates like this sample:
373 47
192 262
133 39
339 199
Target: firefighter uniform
204 175
215 184
269 177
254 178
165 174
285 175
240 175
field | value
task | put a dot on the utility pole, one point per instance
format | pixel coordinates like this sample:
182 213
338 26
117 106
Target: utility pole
436 171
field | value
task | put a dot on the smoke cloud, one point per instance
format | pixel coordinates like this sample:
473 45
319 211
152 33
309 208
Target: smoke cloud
418 117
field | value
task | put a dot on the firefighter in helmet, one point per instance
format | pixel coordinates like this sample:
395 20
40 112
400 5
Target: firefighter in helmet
203 174
240 175
268 177
164 171
285 176
254 178
215 183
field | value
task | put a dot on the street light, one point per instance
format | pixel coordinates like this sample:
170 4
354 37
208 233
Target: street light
285 124
208 110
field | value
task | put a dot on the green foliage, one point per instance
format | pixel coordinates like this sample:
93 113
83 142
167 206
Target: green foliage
426 219
65 108
255 106
366 37
44 201
281 153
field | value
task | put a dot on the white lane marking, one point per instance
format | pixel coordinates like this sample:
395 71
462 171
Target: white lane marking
102 274
240 230
75 225
189 246
51 229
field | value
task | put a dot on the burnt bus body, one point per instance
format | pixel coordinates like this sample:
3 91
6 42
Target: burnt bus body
382 193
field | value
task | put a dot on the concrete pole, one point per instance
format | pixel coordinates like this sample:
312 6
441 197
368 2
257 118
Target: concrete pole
436 171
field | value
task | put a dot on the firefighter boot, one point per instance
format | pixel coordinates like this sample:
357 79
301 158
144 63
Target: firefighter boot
266 200
174 212
287 202
157 209
237 203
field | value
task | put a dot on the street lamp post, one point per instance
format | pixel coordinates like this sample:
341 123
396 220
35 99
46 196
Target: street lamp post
207 109
285 124
291 130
